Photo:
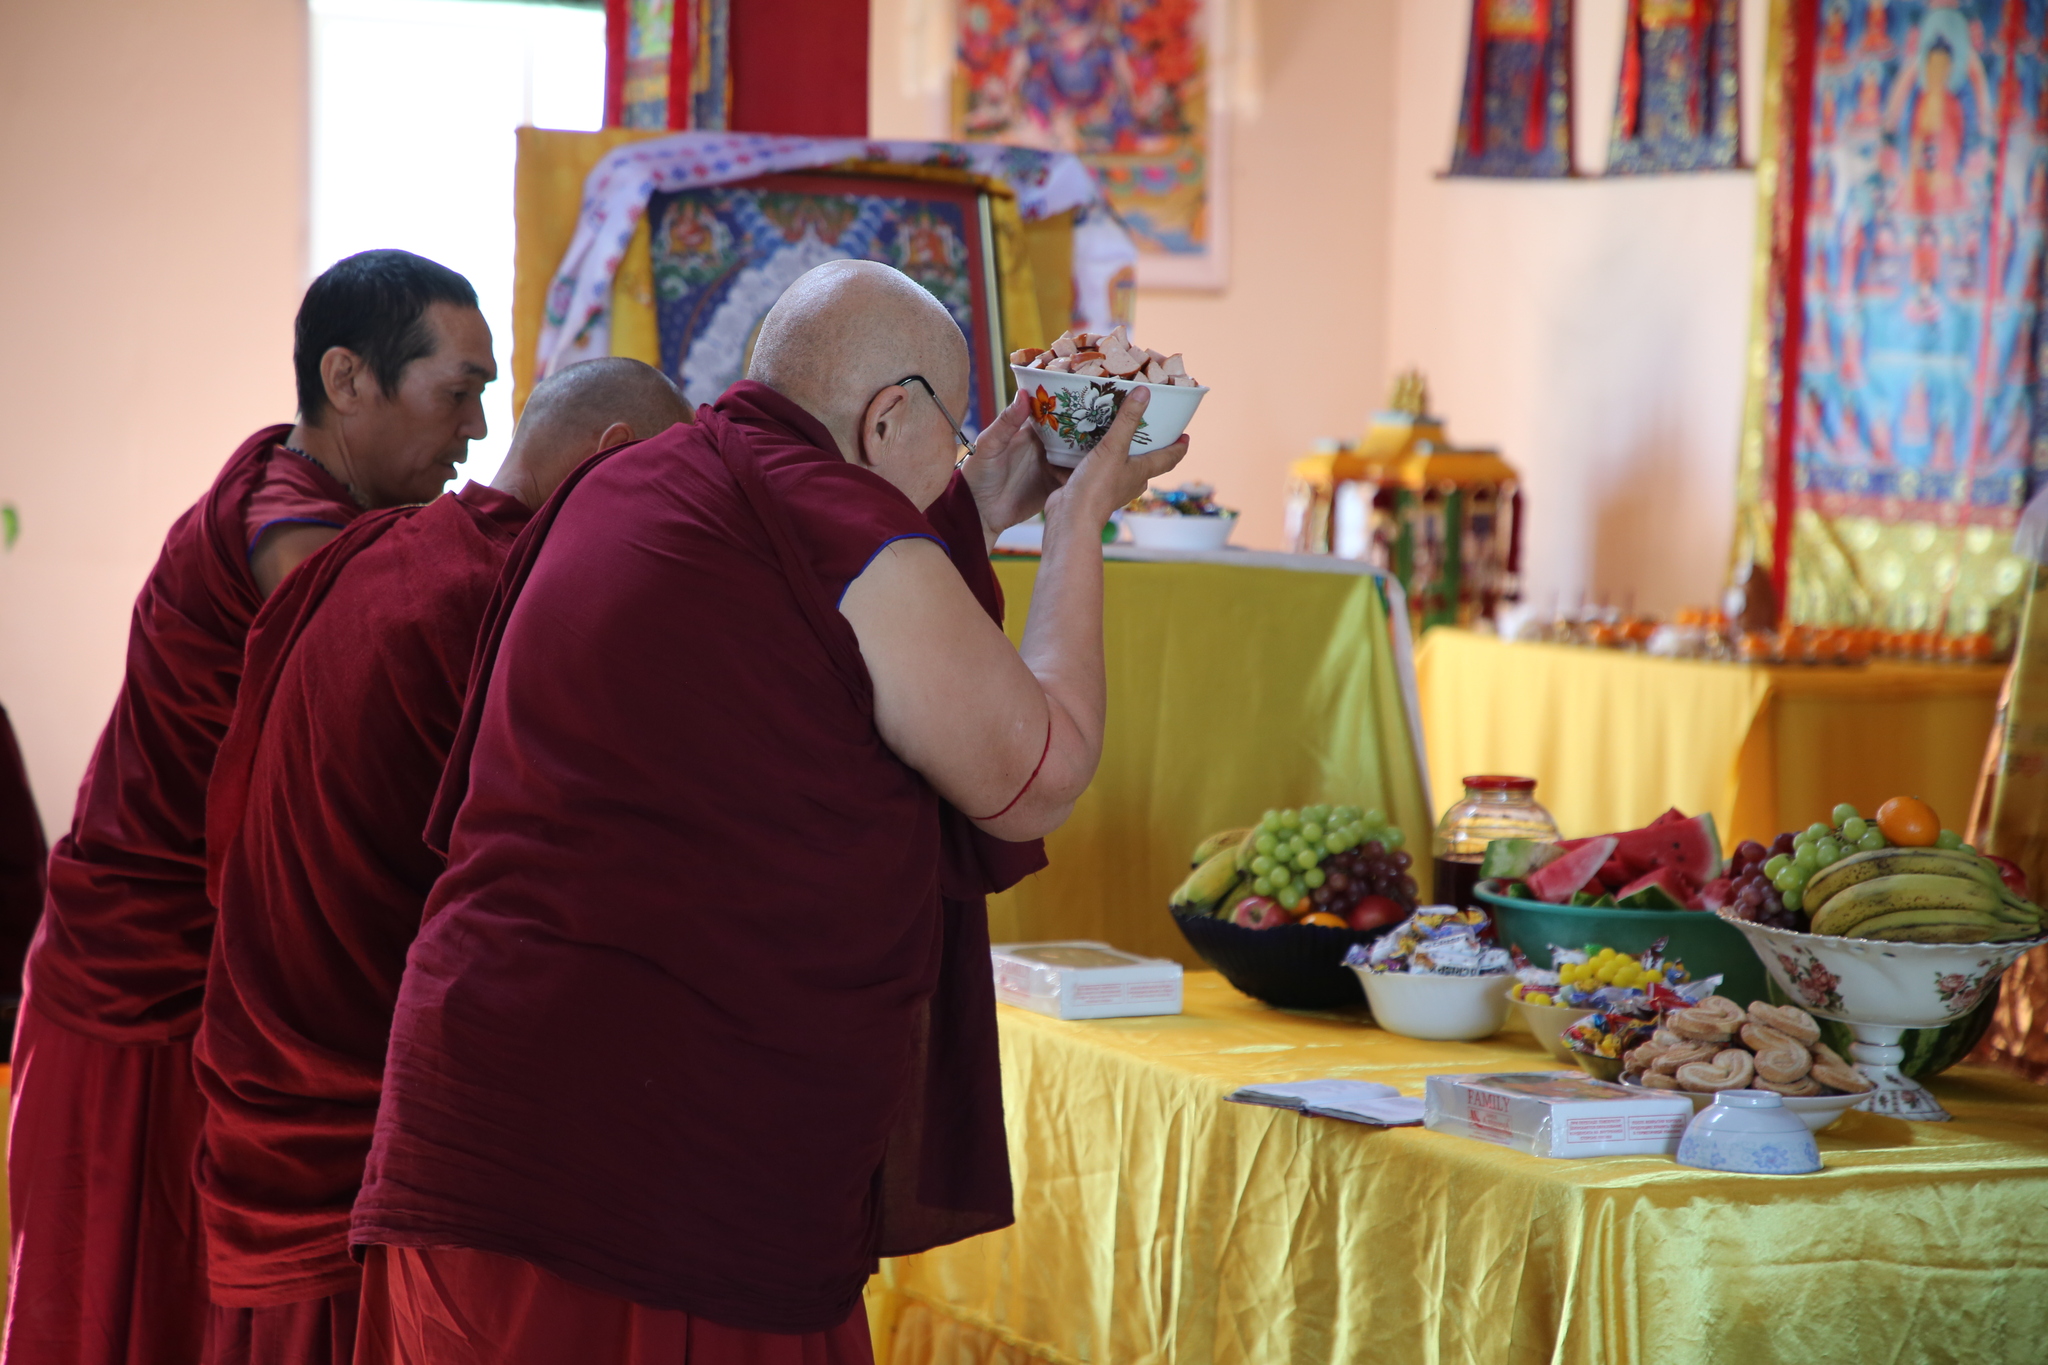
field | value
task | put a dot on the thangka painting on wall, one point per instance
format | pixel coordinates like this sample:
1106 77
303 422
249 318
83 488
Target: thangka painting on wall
1516 117
724 254
1897 420
1127 85
658 44
1678 107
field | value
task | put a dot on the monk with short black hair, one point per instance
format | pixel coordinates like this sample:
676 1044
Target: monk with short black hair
349 702
107 1261
700 1021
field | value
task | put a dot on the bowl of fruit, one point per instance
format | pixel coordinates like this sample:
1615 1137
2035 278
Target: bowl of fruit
1624 891
1275 907
1887 925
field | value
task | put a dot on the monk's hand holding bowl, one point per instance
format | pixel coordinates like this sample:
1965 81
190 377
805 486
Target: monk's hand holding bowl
1110 476
1008 473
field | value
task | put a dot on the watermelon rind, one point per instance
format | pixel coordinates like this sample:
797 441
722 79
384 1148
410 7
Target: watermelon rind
1511 860
1929 1051
1660 888
1651 897
1557 881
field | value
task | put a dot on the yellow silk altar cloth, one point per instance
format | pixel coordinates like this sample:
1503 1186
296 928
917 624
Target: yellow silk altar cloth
1233 687
1613 739
1157 1223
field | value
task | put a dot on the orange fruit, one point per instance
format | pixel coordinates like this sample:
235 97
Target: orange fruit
1909 822
1324 918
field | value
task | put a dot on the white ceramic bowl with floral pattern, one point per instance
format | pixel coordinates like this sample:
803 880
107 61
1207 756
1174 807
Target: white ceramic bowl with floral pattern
1071 411
1868 981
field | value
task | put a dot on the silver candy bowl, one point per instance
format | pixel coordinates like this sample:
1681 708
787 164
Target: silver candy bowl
1880 990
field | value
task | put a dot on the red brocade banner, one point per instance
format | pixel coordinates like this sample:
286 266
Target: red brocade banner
1516 118
1679 103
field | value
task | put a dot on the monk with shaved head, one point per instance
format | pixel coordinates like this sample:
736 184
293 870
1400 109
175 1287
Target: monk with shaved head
700 1022
349 703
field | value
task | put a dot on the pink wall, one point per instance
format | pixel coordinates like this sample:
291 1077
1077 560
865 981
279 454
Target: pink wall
152 164
1594 330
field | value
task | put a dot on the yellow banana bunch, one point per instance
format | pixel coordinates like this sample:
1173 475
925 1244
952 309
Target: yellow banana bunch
1208 886
1918 895
1215 844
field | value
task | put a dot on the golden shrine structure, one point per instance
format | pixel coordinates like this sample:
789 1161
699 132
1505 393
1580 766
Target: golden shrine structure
1444 521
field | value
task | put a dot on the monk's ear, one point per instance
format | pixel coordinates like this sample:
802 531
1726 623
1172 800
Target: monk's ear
347 379
879 422
617 434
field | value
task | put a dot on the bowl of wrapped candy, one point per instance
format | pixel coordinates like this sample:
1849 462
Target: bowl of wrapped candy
1593 1003
1436 975
1076 385
1184 518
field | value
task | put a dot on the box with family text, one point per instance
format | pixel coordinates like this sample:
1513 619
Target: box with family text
1084 980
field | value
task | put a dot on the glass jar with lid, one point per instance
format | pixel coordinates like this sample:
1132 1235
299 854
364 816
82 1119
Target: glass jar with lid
1495 807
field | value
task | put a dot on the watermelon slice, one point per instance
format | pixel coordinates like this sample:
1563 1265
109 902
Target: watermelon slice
1558 880
1689 844
1663 889
1510 860
1614 874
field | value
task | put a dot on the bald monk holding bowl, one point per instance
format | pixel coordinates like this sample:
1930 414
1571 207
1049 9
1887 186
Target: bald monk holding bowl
391 357
671 1059
350 696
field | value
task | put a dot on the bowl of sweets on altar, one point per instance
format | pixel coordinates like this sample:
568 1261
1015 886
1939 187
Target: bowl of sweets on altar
1184 518
1625 890
1275 907
1602 989
1715 1045
1076 385
1436 976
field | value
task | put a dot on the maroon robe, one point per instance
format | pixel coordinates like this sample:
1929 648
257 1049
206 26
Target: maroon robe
22 855
351 692
107 1258
689 999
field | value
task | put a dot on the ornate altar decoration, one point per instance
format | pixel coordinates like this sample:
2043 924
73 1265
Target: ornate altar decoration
1445 521
761 66
1678 107
1896 419
1130 87
1516 115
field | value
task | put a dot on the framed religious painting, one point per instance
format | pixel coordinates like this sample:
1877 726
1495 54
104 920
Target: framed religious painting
722 256
1129 86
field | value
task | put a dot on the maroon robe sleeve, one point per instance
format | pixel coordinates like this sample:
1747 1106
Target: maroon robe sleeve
22 854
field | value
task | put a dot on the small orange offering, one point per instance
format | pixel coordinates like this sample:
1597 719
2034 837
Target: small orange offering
1909 822
1324 918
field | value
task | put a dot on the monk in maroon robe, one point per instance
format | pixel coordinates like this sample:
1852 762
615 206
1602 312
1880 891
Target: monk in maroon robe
350 697
700 1022
391 356
22 855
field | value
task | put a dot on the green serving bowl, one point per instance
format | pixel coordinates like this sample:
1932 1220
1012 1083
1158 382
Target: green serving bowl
1699 939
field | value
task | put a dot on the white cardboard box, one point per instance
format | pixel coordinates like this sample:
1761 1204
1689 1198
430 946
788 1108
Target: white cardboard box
1084 980
1555 1114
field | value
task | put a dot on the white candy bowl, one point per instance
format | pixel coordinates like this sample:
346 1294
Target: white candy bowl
1818 1112
1172 531
1071 411
1434 1006
1880 990
1749 1131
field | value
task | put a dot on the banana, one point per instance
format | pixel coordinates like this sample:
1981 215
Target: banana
1207 885
1845 910
1937 926
1891 862
1215 844
1228 905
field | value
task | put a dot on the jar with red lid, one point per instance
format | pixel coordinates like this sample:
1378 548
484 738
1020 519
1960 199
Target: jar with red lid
1496 806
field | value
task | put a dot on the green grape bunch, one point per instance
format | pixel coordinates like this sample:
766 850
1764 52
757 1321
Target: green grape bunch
1290 846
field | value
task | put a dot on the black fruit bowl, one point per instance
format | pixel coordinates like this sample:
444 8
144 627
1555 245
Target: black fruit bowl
1296 966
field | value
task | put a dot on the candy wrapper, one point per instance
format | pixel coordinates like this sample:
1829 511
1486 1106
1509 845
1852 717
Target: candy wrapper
1435 940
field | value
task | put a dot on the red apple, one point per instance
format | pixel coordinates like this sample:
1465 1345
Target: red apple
1259 912
1375 912
2009 872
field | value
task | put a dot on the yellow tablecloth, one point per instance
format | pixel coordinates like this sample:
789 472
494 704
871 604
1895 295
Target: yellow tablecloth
1157 1223
1232 688
1614 738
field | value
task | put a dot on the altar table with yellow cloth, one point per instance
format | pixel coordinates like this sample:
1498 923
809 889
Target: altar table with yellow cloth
1157 1223
1615 738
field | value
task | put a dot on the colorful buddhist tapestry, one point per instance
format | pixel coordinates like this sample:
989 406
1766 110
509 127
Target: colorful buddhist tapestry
1896 418
723 255
1678 107
659 44
1516 119
1126 85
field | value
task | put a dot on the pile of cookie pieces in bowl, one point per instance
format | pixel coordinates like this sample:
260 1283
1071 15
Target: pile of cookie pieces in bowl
1108 356
1717 1045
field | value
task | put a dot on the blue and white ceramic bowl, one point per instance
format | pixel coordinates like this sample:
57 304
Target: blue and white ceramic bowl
1752 1132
